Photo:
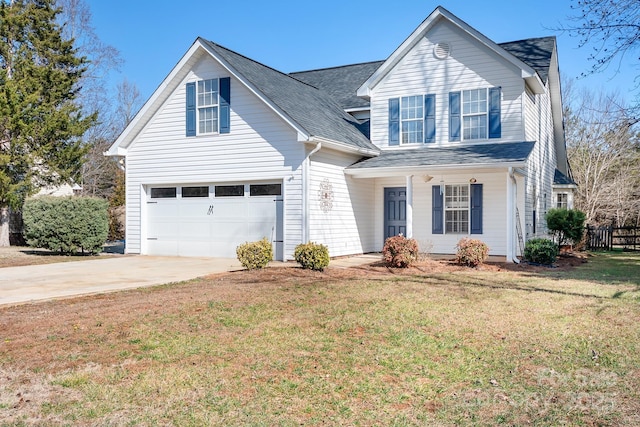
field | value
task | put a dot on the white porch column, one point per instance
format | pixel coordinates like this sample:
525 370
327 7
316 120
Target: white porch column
409 206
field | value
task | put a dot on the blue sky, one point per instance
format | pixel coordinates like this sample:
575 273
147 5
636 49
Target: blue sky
293 35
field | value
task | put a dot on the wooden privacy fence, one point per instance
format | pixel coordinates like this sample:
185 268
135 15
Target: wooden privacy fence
609 237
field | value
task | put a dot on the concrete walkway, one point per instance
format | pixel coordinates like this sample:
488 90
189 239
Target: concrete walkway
42 282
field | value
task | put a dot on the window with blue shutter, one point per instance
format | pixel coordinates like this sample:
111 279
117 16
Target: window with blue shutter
454 116
191 109
225 105
436 210
495 126
430 118
476 208
394 121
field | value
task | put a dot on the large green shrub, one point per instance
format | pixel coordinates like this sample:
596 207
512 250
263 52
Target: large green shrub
254 255
567 225
398 251
541 251
66 224
312 256
471 252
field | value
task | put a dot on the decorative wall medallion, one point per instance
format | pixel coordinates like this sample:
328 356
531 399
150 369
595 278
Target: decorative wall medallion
325 195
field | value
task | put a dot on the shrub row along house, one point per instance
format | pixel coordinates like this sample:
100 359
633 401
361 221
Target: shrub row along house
452 135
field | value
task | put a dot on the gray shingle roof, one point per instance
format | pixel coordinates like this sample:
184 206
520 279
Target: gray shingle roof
561 179
341 82
313 110
509 152
535 52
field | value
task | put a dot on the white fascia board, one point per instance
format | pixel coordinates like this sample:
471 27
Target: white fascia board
341 146
440 12
299 129
114 151
152 105
418 170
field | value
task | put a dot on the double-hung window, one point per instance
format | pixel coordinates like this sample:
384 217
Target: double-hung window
474 114
208 106
456 209
208 91
562 200
412 117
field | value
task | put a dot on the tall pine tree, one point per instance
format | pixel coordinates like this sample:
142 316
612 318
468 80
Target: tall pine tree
41 124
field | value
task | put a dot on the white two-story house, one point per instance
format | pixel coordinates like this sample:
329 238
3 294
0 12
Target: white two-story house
451 136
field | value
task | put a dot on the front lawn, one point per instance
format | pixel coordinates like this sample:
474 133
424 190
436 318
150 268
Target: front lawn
284 346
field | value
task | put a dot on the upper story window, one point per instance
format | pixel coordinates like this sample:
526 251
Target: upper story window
475 114
208 106
412 119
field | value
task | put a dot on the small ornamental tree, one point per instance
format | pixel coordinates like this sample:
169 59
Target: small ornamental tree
567 225
66 224
398 251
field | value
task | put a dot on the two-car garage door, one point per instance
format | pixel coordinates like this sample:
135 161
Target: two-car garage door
212 220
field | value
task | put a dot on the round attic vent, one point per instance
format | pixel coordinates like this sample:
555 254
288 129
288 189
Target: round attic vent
442 50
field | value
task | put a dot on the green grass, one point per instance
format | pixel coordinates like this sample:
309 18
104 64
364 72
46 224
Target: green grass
462 348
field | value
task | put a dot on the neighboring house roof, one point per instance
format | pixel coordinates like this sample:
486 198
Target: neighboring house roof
341 82
468 156
561 179
536 53
312 109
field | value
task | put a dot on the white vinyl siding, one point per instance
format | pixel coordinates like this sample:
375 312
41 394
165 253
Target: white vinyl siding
261 148
470 66
346 227
493 219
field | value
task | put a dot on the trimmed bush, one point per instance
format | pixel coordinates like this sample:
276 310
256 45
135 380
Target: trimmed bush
312 256
66 224
541 251
471 252
254 255
398 251
567 225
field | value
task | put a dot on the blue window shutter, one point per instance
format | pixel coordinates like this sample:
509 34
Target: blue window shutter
454 116
394 121
476 208
430 118
191 109
495 127
437 216
225 105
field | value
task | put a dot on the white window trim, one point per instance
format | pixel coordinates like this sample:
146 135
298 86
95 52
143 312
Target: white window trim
215 105
463 115
417 119
445 209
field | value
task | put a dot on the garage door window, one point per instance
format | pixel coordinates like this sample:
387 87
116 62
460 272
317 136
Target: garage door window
229 190
265 190
202 191
163 193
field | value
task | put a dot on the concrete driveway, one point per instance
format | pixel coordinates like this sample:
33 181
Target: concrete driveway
42 282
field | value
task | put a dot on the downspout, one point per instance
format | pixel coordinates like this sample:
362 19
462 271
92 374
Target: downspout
307 192
510 220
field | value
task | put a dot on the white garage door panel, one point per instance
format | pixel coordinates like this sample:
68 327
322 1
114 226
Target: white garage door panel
208 226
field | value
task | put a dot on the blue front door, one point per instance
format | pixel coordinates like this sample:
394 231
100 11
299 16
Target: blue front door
395 211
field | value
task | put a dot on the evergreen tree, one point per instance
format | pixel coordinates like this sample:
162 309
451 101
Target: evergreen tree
41 123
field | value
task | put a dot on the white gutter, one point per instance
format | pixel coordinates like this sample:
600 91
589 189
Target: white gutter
340 146
306 191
